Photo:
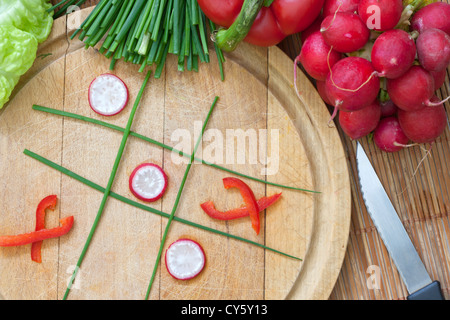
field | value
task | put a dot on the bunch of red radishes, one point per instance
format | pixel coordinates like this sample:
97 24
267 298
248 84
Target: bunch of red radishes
380 63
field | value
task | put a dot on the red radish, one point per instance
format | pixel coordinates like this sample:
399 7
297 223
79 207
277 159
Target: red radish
148 182
358 124
352 84
424 125
314 56
345 32
185 259
330 7
315 26
435 15
380 15
389 136
433 49
439 78
393 53
108 95
322 90
388 108
413 90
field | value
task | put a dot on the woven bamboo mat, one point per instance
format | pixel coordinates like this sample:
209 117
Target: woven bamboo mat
419 187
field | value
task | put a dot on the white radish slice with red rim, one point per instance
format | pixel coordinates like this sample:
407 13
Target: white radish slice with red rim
148 182
185 259
108 95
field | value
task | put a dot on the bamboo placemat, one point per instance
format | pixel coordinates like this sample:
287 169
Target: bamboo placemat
419 187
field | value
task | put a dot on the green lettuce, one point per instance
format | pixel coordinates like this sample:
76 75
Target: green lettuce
27 15
23 25
17 54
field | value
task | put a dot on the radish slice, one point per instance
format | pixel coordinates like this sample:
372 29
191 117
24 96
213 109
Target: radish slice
185 259
108 95
148 182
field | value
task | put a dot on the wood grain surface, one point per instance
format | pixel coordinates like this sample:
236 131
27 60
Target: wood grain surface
422 196
257 95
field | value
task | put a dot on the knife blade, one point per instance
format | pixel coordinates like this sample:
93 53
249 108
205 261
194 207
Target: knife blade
391 230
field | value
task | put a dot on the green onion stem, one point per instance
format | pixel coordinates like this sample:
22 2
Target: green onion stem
162 145
141 206
177 200
110 181
145 31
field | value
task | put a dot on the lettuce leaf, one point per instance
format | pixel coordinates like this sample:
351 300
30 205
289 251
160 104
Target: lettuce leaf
27 15
23 25
17 54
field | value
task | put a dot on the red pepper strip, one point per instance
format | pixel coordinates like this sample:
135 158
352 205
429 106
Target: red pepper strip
43 234
249 199
237 213
48 202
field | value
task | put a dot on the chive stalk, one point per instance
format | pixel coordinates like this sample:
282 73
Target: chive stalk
145 31
177 200
144 207
112 176
159 144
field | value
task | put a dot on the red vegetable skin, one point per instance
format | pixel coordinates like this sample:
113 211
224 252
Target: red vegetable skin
439 78
388 108
393 53
273 23
315 26
237 213
380 15
249 199
43 234
352 84
413 90
389 136
322 90
433 49
48 202
317 57
345 32
435 15
358 124
424 125
330 7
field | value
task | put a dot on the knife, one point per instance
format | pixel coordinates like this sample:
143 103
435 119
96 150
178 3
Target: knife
396 239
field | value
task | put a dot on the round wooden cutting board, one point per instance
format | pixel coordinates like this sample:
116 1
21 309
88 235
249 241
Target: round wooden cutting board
286 135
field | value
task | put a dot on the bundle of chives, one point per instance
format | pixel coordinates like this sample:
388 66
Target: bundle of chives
64 6
144 31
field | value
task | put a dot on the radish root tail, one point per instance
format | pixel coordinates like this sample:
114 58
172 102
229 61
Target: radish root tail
427 153
375 73
436 104
334 18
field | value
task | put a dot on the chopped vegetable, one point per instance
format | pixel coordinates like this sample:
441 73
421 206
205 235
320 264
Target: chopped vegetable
43 234
48 202
185 259
108 95
237 213
249 199
148 182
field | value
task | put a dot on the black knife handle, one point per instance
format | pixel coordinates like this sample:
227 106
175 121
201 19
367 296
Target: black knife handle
430 292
